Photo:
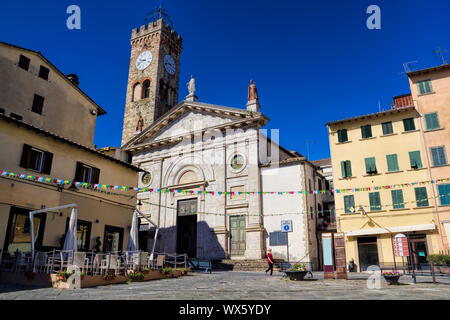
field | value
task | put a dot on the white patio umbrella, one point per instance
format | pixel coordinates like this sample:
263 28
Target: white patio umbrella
133 240
70 242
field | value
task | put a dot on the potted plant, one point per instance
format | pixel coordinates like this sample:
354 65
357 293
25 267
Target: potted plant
445 267
109 276
166 270
146 270
392 277
297 272
136 276
183 271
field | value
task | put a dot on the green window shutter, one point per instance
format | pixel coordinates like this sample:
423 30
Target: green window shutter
432 121
370 165
342 135
415 160
343 169
421 197
349 202
348 167
375 203
408 124
397 199
425 87
366 131
444 194
392 162
387 128
438 156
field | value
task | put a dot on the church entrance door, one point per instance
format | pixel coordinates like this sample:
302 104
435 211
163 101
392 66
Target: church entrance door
237 228
187 227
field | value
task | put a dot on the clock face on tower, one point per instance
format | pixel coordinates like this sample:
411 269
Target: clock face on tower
144 60
169 64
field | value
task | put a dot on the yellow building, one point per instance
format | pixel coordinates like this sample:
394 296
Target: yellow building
39 137
384 148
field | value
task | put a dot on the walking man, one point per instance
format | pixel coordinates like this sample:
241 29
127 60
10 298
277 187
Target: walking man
269 261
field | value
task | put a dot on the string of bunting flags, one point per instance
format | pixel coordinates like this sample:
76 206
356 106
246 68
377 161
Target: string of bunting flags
86 185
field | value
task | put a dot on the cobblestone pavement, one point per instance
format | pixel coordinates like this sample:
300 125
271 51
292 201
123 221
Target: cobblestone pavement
240 285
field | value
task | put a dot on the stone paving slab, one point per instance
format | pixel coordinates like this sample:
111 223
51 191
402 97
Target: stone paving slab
240 286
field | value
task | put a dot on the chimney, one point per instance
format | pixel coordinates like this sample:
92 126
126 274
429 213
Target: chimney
403 101
73 78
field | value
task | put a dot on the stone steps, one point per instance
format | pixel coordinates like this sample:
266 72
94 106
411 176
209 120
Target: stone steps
241 265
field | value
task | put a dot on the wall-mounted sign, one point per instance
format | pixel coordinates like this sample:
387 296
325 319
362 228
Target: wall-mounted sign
286 225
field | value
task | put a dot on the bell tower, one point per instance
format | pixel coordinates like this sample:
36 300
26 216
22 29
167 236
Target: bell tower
153 73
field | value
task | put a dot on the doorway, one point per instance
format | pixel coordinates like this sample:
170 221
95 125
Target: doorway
419 250
368 252
237 228
187 227
113 239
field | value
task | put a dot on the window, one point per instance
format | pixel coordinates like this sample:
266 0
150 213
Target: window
366 131
409 125
36 159
424 86
432 121
438 156
342 135
320 184
327 185
24 62
311 212
83 234
43 73
444 194
319 211
137 92
237 162
371 167
375 203
387 128
18 233
415 160
397 199
85 173
113 239
16 116
38 104
392 162
146 89
349 204
346 168
421 197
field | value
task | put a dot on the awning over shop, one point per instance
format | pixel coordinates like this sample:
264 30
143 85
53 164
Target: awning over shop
363 232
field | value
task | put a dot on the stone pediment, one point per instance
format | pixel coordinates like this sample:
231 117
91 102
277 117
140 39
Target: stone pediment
189 117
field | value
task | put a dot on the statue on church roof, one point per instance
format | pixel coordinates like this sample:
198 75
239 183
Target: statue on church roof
252 91
191 86
253 98
191 90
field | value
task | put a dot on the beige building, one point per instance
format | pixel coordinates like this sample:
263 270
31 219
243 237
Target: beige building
36 92
50 144
384 148
430 90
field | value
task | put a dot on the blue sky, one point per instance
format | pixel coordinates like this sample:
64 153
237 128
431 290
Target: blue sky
313 61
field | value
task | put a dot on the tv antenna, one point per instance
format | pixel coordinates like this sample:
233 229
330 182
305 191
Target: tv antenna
406 67
440 53
158 13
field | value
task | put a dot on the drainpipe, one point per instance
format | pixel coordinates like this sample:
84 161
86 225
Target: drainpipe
424 145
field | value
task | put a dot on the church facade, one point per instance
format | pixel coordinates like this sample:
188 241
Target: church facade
190 147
